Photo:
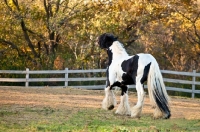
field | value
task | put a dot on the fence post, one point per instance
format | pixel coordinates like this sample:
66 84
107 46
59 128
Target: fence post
66 77
27 78
193 83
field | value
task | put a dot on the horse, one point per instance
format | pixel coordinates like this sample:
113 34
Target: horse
125 70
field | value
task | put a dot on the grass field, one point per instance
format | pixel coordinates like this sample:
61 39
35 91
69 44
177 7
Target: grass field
58 109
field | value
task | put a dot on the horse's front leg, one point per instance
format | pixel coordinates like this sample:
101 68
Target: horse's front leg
109 102
124 107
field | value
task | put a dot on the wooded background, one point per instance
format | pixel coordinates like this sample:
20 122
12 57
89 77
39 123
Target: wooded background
54 34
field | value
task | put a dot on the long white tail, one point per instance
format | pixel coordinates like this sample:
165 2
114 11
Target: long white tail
157 91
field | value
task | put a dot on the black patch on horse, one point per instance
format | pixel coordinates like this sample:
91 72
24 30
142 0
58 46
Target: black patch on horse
145 74
162 103
107 74
121 85
110 56
106 40
117 83
130 66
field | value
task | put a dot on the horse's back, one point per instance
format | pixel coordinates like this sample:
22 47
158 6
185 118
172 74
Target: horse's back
145 58
134 62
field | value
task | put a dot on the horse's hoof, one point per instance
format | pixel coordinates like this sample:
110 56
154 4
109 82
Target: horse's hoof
111 107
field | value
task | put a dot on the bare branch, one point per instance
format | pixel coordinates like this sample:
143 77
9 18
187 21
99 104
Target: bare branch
16 4
195 28
8 5
191 39
36 34
27 38
8 43
57 6
13 46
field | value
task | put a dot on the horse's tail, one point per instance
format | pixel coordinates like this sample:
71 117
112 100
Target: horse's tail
157 91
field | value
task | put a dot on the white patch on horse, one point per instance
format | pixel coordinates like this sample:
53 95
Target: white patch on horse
109 100
123 108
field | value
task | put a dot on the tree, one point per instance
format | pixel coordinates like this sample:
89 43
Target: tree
39 29
37 33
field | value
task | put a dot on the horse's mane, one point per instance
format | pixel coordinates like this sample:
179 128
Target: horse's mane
118 48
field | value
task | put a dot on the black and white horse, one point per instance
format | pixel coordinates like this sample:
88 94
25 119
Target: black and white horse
124 70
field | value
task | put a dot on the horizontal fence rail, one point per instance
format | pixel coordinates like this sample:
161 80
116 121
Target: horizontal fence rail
66 79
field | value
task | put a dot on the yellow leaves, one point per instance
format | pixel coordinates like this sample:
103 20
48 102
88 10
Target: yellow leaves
11 4
161 28
195 48
198 24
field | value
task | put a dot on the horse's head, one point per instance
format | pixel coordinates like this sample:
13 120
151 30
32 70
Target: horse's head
105 40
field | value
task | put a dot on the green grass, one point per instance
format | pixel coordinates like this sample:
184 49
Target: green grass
44 119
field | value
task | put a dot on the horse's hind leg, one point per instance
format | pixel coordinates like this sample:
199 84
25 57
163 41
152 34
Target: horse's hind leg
137 109
109 102
157 113
124 108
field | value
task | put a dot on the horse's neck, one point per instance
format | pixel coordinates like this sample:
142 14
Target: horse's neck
119 56
113 56
118 50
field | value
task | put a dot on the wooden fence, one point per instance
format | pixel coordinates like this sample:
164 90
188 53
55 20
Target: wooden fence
193 82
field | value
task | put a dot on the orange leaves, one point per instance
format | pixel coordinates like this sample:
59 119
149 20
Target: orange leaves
71 27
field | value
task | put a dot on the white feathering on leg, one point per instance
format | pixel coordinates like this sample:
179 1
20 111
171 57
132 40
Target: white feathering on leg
123 108
136 111
109 102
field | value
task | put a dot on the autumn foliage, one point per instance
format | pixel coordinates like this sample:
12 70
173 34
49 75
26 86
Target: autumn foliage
54 34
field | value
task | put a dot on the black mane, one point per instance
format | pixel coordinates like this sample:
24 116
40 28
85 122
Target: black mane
105 40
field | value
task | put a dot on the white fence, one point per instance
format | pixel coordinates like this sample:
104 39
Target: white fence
66 79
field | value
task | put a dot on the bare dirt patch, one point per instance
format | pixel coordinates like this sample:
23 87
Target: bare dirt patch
69 98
